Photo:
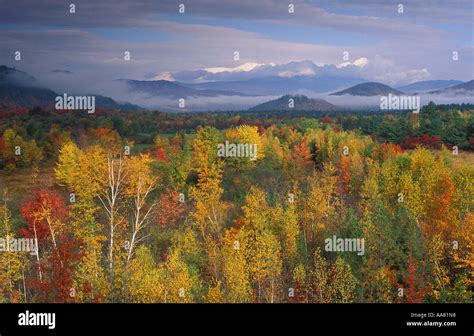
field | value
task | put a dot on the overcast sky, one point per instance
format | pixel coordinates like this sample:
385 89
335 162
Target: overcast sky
399 48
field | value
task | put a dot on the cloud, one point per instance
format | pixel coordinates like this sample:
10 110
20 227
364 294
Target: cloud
375 69
137 13
196 46
248 71
373 103
164 76
92 41
241 68
454 11
387 71
360 62
119 91
236 103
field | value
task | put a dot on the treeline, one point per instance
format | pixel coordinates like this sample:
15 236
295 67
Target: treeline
43 132
432 127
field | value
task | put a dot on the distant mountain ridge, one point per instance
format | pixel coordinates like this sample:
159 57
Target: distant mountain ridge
267 86
368 89
301 103
173 89
17 88
13 76
429 85
463 89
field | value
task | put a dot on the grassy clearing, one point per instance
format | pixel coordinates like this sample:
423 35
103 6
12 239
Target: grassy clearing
463 159
20 183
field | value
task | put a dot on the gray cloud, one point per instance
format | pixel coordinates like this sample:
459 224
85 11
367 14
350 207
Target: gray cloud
134 13
49 38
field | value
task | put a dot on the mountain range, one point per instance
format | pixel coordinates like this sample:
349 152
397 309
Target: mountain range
298 81
462 89
279 85
367 90
446 88
17 88
173 89
295 103
429 85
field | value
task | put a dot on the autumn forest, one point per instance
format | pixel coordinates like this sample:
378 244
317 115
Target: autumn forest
336 208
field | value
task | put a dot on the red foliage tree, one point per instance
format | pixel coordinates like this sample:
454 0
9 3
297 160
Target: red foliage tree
413 291
160 155
425 140
344 175
301 156
439 205
387 150
326 119
58 270
45 205
170 208
300 294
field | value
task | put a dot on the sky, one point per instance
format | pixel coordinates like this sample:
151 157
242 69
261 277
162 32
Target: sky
384 45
